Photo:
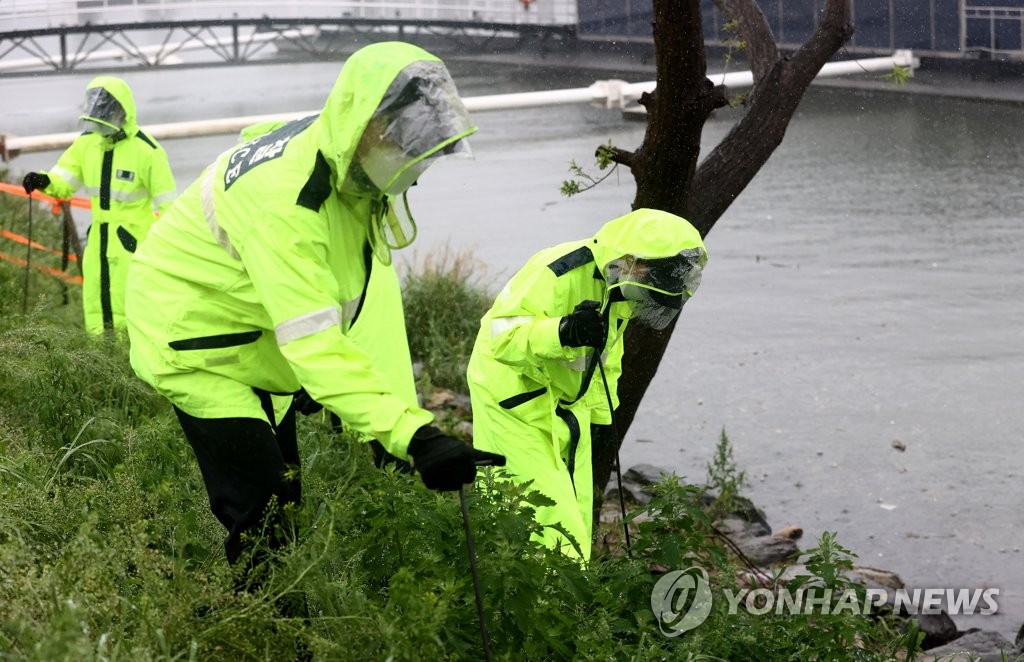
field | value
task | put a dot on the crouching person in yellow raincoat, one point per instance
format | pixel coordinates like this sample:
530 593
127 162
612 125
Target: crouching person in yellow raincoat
272 273
534 379
127 177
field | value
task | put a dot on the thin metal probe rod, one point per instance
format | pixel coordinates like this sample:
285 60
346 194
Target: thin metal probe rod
476 576
618 462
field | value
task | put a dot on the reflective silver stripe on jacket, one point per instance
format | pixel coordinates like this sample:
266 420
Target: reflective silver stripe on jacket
125 196
73 181
210 212
121 196
165 198
306 325
503 324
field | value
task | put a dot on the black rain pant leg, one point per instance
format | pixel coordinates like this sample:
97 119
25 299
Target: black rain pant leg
245 462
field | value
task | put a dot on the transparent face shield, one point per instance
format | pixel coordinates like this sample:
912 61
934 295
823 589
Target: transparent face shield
420 120
101 112
657 288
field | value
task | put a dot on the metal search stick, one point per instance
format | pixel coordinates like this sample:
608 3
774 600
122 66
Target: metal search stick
618 462
481 460
28 258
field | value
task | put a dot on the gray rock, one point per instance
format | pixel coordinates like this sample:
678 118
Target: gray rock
644 474
980 645
875 578
636 483
734 527
635 492
745 510
766 550
938 629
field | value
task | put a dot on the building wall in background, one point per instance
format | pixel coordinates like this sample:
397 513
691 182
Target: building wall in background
935 27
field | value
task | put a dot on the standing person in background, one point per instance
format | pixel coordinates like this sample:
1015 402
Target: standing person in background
127 177
272 276
552 338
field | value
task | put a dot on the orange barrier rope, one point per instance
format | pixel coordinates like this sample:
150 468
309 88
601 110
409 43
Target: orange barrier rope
7 234
17 189
57 273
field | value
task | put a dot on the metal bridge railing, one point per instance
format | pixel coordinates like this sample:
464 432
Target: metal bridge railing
28 14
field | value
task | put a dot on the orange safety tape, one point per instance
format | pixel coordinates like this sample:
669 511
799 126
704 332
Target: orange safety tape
7 234
46 270
14 189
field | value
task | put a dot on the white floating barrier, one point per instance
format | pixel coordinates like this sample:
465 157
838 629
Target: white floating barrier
606 93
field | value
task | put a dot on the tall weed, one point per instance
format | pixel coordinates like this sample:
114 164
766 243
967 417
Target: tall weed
444 301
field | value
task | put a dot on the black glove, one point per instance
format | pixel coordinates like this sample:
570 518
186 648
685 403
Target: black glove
444 463
35 180
305 405
583 327
485 459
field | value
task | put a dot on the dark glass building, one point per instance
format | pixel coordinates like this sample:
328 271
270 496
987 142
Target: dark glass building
935 28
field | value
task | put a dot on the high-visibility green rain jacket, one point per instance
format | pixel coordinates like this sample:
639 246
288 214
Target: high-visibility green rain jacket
127 178
533 399
263 276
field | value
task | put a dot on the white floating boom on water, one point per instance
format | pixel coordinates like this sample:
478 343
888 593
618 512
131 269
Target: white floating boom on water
607 93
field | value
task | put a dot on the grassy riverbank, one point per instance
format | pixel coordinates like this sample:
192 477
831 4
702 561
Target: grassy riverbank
108 550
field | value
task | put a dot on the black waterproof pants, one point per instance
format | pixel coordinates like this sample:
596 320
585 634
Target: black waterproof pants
245 462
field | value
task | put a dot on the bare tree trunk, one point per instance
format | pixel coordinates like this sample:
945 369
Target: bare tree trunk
665 165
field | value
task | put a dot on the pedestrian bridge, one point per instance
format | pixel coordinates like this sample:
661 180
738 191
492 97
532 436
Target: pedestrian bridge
70 35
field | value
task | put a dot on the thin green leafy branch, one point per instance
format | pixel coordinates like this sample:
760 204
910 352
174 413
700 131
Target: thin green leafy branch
584 181
734 44
899 75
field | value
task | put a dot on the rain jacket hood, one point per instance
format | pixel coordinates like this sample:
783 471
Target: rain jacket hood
356 95
118 89
645 233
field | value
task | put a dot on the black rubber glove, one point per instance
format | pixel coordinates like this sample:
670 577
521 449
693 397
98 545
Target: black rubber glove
305 405
583 327
485 459
444 463
35 180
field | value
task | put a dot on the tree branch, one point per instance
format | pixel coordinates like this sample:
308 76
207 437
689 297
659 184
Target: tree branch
678 49
621 156
754 30
834 30
740 155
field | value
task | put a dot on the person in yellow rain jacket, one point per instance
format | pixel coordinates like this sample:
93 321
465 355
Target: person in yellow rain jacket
272 273
127 177
535 378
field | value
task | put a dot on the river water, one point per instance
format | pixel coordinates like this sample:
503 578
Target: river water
863 290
